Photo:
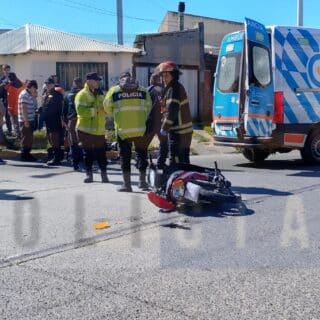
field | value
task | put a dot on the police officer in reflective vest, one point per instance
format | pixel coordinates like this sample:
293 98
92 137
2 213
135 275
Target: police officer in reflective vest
129 104
91 122
177 123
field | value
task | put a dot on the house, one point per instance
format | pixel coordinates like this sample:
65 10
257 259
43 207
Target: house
36 52
214 29
194 49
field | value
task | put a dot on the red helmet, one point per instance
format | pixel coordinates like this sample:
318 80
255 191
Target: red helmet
167 66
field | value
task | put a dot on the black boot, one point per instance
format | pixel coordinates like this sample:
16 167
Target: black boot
126 186
75 154
56 158
142 181
89 177
23 156
104 177
27 156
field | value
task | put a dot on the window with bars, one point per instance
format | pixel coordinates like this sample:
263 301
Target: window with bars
66 71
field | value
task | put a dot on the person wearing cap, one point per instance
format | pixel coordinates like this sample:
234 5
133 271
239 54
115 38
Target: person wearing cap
26 116
91 122
71 112
129 104
177 122
52 107
154 120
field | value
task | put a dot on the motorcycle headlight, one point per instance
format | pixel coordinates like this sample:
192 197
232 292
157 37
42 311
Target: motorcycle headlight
178 189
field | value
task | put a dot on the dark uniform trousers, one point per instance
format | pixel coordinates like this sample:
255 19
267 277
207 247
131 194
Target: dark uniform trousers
141 148
179 147
93 147
74 142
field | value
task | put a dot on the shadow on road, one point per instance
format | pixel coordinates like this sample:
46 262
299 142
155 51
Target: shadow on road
217 210
296 164
5 195
311 171
29 165
260 191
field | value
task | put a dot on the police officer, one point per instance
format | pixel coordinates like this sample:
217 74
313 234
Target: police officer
177 122
52 108
91 123
129 104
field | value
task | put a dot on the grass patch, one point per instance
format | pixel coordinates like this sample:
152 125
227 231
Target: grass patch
193 152
208 129
40 140
199 137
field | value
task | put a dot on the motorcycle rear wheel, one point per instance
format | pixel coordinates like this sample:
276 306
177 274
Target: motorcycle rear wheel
214 196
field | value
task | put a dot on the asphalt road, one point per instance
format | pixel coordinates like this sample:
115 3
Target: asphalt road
254 260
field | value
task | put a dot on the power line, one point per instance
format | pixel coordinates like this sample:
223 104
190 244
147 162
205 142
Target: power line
86 7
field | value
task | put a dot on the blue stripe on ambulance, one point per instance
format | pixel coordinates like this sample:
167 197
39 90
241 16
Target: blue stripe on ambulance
305 104
259 127
297 49
296 79
313 43
289 113
279 37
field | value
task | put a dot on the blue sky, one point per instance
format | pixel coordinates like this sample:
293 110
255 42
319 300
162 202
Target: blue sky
98 17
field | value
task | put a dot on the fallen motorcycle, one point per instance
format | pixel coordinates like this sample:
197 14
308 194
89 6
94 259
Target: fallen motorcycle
188 183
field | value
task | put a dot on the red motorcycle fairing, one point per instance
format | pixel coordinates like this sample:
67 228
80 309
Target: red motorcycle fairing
160 202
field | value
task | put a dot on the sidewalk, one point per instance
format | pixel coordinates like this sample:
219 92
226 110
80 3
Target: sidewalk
202 144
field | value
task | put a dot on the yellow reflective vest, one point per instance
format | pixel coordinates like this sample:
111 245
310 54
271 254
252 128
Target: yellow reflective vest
91 117
129 110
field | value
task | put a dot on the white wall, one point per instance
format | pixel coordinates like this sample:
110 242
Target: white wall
39 66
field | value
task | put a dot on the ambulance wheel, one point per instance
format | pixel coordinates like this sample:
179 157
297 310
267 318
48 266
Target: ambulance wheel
311 150
255 155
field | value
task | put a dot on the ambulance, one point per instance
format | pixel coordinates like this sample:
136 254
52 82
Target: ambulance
267 91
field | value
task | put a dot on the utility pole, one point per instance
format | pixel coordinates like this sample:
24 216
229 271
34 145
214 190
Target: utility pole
300 13
119 22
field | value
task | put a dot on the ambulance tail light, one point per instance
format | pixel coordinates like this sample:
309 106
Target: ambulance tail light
278 107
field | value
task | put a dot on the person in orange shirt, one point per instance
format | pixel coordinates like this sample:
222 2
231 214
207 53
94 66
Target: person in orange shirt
13 88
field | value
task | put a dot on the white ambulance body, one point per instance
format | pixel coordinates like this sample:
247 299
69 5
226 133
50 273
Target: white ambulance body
267 91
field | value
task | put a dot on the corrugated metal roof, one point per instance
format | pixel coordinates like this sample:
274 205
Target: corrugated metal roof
32 37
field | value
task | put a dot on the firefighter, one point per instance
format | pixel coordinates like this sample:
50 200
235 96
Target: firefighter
177 123
91 122
129 104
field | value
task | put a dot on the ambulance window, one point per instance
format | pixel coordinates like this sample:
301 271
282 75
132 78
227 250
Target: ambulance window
261 65
228 75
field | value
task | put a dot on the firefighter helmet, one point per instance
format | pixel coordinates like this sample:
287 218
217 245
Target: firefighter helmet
167 66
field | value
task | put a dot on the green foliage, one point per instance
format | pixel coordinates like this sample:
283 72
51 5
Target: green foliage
199 137
40 140
208 129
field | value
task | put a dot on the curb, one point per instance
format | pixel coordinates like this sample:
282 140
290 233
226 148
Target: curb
15 155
